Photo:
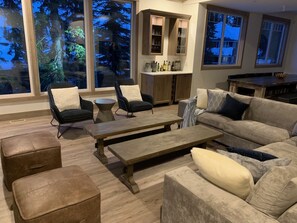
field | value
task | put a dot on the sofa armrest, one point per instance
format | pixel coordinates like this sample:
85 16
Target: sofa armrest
187 197
289 215
181 107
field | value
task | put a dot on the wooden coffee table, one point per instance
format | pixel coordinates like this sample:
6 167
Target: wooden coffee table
142 149
101 131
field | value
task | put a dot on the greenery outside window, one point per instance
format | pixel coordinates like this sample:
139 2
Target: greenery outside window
272 41
112 41
14 75
224 39
60 41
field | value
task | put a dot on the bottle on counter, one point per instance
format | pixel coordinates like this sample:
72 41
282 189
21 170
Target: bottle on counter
172 66
169 66
164 66
158 67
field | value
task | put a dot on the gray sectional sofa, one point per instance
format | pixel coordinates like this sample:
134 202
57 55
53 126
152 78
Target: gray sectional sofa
266 126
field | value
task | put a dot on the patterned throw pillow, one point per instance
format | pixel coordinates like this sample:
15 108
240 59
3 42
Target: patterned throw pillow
216 99
256 167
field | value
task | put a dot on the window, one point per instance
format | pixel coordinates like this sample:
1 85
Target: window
60 41
272 41
14 75
112 41
225 31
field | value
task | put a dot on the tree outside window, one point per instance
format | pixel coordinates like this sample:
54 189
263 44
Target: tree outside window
224 32
60 41
14 75
272 42
112 41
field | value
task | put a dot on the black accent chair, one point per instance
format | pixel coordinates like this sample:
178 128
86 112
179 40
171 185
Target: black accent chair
132 106
70 115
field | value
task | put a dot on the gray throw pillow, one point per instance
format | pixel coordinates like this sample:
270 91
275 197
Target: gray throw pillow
275 192
256 167
216 99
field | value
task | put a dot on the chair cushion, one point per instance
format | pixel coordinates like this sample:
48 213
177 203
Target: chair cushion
66 98
223 172
131 92
136 106
75 115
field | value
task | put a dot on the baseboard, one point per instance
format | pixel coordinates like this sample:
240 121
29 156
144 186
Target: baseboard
23 115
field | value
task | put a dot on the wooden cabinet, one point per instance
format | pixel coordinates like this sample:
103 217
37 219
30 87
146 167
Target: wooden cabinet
158 86
153 34
166 87
182 85
178 36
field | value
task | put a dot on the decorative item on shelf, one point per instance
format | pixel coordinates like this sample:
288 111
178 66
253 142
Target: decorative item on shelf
147 67
177 65
154 66
280 75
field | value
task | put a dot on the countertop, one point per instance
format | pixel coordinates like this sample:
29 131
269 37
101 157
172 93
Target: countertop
167 73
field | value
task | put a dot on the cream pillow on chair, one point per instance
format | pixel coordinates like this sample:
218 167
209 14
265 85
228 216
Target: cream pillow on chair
66 98
223 172
131 92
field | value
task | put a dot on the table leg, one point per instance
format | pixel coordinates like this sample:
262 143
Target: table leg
128 180
167 128
100 151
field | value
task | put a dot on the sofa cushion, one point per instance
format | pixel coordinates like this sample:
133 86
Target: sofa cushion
258 155
223 172
274 113
202 98
256 131
216 100
256 167
292 141
276 191
213 119
281 149
233 108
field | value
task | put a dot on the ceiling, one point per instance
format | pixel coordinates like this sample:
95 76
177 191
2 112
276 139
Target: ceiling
257 6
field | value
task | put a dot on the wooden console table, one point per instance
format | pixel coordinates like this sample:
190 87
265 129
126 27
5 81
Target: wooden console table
265 87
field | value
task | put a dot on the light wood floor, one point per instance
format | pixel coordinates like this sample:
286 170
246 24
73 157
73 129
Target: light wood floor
118 204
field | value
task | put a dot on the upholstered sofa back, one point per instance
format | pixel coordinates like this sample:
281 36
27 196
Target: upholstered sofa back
274 113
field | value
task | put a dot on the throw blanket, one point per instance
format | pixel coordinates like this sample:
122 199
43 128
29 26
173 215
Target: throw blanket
190 113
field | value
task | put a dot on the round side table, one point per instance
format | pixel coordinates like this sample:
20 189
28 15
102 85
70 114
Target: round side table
104 113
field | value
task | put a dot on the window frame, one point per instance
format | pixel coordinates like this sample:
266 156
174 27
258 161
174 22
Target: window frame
282 46
241 42
30 40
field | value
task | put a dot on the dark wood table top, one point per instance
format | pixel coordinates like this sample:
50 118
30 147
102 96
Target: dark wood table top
106 129
267 81
137 150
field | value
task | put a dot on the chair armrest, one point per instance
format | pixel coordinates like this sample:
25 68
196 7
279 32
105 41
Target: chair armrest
56 113
187 197
87 105
147 98
123 103
181 107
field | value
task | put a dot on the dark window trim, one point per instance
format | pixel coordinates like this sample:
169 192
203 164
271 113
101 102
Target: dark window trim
280 20
245 16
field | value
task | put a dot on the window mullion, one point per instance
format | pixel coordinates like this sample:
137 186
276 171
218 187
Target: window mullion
31 47
222 39
280 46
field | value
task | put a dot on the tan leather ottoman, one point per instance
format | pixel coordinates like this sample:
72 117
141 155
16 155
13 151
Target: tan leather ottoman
61 195
27 154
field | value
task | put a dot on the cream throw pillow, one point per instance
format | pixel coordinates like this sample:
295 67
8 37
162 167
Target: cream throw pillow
202 98
131 92
66 98
223 172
